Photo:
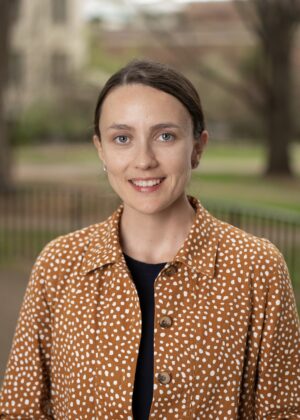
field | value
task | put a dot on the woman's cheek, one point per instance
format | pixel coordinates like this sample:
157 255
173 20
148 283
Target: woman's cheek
116 164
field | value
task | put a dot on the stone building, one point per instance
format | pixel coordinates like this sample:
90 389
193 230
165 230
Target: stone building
47 50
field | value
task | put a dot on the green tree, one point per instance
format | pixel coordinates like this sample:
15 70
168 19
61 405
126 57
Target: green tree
274 23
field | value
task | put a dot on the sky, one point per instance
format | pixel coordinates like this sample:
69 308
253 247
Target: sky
117 7
171 1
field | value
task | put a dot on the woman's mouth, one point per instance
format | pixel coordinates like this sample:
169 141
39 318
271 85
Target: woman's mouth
146 185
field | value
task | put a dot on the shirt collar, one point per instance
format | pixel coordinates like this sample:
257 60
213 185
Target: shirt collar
198 251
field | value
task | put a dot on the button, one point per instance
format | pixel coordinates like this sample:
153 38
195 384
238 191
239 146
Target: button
172 269
164 377
165 321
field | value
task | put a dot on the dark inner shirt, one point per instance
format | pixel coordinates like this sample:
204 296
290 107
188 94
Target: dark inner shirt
144 275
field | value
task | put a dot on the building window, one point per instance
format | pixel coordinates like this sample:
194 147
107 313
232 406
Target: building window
16 68
59 11
59 68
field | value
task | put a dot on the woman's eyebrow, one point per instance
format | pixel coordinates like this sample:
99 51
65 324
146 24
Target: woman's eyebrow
165 125
115 126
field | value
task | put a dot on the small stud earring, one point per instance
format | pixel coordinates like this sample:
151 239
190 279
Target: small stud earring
104 168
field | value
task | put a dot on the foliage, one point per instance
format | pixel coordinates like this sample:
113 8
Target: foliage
52 122
100 58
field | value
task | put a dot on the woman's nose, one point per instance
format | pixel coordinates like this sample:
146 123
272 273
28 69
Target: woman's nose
145 157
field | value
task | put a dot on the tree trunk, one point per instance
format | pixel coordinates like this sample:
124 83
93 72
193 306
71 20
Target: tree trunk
5 150
5 158
279 128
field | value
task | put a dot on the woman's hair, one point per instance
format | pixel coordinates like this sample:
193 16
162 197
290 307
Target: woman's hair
159 76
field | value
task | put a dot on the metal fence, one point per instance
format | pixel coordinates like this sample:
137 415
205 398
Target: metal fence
30 217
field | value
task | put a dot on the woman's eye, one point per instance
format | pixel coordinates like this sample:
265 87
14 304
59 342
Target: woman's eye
121 139
166 136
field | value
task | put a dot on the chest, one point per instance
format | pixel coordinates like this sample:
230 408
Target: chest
200 335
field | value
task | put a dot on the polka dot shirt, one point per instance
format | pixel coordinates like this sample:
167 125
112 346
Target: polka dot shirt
226 330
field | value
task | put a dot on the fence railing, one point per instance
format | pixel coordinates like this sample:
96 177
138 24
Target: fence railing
30 217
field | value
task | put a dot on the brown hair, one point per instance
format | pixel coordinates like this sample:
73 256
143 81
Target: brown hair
159 76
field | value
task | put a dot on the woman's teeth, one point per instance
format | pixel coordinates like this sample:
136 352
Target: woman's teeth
148 183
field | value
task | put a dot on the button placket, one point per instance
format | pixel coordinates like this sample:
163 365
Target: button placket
165 321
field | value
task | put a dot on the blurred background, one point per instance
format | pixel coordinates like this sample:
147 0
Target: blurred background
55 55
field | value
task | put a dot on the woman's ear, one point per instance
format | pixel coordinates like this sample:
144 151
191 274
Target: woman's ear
98 145
199 145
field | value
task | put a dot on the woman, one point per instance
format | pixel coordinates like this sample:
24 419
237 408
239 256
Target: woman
161 311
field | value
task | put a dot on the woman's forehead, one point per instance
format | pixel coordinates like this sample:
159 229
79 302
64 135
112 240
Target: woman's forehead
130 102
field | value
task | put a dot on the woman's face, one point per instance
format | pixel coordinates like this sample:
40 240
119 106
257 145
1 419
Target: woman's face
148 147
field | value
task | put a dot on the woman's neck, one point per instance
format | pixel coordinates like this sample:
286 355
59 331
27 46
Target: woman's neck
156 238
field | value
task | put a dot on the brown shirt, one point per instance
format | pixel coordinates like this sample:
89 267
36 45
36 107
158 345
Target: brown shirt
226 337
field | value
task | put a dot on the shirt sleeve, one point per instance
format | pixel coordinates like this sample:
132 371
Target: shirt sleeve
26 389
278 376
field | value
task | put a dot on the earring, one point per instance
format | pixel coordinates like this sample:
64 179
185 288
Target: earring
104 167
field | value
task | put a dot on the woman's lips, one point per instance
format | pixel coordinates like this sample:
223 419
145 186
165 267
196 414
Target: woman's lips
146 185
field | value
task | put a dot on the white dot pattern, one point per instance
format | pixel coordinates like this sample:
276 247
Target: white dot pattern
231 352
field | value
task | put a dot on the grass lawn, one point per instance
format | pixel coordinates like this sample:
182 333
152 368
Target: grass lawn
230 173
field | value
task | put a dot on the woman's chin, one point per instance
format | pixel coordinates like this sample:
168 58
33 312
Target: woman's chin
150 205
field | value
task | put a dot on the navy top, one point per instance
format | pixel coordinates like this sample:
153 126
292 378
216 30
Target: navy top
144 275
